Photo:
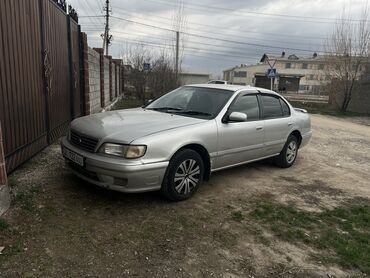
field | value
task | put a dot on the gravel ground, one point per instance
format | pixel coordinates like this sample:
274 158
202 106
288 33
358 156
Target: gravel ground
60 226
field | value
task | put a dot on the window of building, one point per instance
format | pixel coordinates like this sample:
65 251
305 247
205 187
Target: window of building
310 77
271 107
321 66
304 66
247 104
288 65
240 74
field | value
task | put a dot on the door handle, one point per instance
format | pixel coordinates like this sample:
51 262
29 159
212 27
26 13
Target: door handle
290 124
259 128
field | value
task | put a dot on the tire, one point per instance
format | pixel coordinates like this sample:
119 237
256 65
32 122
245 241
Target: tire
289 153
178 184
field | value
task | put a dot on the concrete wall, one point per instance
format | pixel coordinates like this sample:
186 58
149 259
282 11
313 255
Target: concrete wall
360 100
106 81
98 77
94 81
114 80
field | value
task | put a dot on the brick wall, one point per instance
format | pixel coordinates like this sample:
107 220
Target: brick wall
106 81
94 81
99 78
114 80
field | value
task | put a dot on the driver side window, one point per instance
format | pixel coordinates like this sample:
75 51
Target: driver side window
247 104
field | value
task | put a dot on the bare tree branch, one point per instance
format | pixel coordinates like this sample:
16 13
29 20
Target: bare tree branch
348 56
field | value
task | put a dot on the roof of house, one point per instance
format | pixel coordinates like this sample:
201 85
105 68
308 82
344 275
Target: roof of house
291 57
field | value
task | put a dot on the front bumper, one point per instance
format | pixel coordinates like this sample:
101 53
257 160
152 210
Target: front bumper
115 173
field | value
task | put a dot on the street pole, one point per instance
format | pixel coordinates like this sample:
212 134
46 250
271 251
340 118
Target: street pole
271 83
106 36
177 54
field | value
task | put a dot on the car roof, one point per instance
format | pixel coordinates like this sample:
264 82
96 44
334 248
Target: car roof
228 87
232 88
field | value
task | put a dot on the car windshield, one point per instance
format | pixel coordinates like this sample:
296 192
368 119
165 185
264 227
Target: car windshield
192 101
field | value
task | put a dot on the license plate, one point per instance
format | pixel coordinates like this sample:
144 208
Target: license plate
76 158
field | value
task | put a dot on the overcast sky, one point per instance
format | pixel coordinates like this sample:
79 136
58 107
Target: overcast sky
219 34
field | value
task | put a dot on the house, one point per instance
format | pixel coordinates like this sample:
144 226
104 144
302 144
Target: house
186 78
294 74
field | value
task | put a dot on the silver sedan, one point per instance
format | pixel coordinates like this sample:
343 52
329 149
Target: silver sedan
178 140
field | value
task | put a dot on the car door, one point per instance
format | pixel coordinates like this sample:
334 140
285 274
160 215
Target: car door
240 142
277 123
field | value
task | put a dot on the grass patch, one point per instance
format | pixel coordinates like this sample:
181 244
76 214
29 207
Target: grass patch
237 216
3 224
346 231
127 103
26 199
324 109
12 250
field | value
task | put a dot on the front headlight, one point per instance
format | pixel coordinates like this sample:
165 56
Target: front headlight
126 151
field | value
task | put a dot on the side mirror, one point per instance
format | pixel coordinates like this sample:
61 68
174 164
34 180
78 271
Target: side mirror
237 117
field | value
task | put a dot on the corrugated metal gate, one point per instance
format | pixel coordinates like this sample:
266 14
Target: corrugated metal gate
39 76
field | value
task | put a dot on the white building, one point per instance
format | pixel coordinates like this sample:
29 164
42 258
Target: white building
187 78
295 74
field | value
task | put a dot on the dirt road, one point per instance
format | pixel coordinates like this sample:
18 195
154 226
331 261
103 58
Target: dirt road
60 226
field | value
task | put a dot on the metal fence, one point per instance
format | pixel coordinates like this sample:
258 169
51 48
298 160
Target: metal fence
40 80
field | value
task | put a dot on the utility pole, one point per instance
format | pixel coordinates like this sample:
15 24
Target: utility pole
106 37
177 53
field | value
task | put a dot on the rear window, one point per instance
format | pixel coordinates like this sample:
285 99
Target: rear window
285 107
271 107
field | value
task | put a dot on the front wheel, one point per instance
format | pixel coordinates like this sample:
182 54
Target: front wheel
289 153
184 175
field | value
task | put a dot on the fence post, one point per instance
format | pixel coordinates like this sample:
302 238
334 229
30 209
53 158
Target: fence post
115 80
122 80
4 190
70 69
110 78
86 76
102 96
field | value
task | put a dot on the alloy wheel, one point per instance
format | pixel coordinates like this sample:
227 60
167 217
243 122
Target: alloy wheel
187 176
291 152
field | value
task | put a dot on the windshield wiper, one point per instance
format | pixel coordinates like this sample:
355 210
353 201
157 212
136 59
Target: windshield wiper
165 109
191 112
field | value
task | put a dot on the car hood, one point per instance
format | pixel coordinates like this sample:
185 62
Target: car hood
127 125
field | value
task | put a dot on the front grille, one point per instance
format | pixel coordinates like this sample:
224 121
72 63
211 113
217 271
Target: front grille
83 142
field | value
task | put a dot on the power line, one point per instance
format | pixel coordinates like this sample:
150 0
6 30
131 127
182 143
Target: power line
244 37
231 30
225 48
243 13
87 3
214 38
224 54
162 46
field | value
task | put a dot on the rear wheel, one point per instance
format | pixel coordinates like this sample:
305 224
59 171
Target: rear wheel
184 175
289 153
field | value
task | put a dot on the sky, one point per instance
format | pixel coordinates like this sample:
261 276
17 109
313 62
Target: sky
217 34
